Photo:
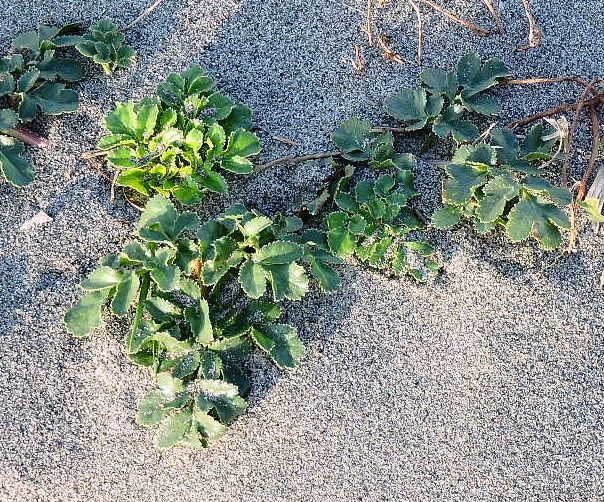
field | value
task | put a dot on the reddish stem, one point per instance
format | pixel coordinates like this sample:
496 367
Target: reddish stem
23 134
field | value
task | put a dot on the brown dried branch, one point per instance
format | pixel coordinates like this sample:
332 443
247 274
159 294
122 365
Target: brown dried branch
368 28
595 151
550 112
495 15
572 131
388 52
359 61
453 17
535 32
544 80
144 14
420 31
292 159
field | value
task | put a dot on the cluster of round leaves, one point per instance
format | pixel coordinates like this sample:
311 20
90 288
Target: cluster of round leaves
173 144
500 184
202 308
33 82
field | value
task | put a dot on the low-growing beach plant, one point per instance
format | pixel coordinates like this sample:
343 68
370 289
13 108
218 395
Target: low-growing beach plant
202 305
106 46
33 81
178 143
500 183
445 100
372 221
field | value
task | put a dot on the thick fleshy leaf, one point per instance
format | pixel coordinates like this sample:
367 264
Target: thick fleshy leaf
201 325
506 144
242 144
288 281
15 168
352 138
55 99
279 253
8 119
222 397
414 107
65 69
446 217
7 83
440 82
450 123
475 78
163 273
281 343
252 278
102 278
86 314
462 182
540 219
125 294
497 192
173 428
341 241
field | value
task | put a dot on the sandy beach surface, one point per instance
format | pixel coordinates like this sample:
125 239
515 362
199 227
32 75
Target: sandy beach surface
487 384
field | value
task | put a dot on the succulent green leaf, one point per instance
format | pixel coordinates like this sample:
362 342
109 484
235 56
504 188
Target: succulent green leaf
439 81
151 409
450 123
252 278
278 253
497 192
242 144
54 99
102 278
8 119
446 217
542 220
341 241
173 428
281 343
164 274
85 316
125 294
328 279
592 207
353 139
506 144
7 83
462 182
52 69
288 281
27 80
414 107
220 396
475 78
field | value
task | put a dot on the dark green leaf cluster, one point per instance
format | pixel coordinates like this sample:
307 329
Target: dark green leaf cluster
173 144
199 309
374 224
32 82
104 44
500 184
445 98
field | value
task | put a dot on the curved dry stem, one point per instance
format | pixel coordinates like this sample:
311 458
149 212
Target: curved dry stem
481 32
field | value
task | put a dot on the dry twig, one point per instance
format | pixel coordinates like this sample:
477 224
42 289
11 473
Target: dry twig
453 17
595 151
420 31
285 141
144 14
550 112
535 32
495 15
388 52
359 61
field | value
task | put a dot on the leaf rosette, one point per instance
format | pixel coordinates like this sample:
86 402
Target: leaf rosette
499 184
201 302
180 143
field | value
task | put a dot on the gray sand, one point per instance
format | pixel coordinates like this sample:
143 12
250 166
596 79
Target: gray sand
487 384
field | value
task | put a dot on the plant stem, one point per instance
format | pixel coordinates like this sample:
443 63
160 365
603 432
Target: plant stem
140 308
292 159
23 134
466 24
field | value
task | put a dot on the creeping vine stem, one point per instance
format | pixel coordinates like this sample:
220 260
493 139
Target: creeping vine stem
145 284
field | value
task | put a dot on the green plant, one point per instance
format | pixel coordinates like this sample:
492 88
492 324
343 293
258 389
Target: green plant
500 184
31 83
104 44
174 143
198 309
445 98
375 225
